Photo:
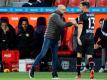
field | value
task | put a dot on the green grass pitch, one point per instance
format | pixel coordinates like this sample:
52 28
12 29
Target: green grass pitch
47 76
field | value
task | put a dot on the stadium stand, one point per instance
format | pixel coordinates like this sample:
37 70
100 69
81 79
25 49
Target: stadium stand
64 2
74 3
92 3
101 3
2 3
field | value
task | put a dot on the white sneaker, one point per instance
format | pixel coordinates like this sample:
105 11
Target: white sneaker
101 70
31 74
78 77
84 70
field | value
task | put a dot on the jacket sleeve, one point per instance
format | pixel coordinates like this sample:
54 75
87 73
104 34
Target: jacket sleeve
59 21
97 35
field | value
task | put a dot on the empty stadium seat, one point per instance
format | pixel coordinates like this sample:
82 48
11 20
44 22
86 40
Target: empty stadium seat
74 3
9 2
92 3
17 4
101 3
2 3
64 2
24 0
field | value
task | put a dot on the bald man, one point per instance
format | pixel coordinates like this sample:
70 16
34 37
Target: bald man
51 38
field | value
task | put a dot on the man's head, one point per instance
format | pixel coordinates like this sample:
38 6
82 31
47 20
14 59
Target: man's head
84 6
23 22
101 21
61 8
3 24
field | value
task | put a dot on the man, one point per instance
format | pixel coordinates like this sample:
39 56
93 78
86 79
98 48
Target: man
98 44
85 38
104 45
7 36
51 37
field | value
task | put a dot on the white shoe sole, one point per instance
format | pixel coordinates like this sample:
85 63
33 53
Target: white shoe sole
29 75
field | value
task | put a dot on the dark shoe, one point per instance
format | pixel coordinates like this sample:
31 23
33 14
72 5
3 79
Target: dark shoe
31 73
54 74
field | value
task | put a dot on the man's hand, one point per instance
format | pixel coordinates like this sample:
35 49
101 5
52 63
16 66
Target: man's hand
96 46
74 22
79 41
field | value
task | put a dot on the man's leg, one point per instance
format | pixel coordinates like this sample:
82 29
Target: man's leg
103 60
90 62
42 53
86 66
91 65
79 59
54 49
89 53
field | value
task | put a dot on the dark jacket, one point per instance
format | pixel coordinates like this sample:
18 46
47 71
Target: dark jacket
98 35
24 38
55 24
104 33
103 39
8 40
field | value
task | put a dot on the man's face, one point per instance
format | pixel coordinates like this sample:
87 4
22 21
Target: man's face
63 10
4 25
81 7
24 24
101 23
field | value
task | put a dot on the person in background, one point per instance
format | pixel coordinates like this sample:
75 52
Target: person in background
7 36
49 3
97 43
12 30
101 41
36 3
24 38
31 3
39 35
38 41
10 26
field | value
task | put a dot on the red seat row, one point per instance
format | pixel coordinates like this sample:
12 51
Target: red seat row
75 3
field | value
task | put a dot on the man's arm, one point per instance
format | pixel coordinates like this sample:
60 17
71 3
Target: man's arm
59 22
80 28
97 35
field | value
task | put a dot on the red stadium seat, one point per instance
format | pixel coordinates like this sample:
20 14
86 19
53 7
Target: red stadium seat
74 3
64 2
101 3
92 3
